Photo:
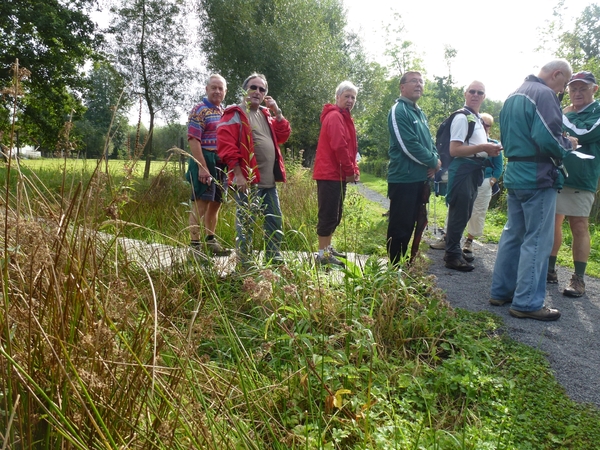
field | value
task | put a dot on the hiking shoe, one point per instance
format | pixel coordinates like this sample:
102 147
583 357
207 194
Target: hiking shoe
552 277
194 254
334 252
500 302
544 314
217 249
576 287
459 264
468 247
468 257
440 244
328 260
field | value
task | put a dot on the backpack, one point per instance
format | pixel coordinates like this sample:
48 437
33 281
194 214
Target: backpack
442 138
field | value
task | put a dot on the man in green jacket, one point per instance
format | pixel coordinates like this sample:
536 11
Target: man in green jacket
575 200
413 159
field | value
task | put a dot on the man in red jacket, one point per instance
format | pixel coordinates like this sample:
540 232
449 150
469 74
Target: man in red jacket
248 139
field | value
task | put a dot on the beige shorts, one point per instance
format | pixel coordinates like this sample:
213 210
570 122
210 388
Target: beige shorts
574 202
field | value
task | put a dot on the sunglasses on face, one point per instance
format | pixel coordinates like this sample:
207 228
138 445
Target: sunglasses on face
486 125
254 87
473 92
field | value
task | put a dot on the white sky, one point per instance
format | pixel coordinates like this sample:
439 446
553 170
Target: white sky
495 40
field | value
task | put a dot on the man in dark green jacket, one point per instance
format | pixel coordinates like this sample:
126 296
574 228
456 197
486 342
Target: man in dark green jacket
413 159
575 200
531 132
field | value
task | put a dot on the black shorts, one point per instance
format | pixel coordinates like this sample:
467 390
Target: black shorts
330 196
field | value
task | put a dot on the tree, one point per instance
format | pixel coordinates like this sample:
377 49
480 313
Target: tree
53 39
401 52
151 50
298 45
104 117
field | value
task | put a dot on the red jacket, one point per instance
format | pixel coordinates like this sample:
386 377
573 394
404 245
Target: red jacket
337 148
236 146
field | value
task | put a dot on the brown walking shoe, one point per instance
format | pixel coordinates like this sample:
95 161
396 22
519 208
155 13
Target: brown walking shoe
468 246
217 249
576 287
552 277
545 314
500 301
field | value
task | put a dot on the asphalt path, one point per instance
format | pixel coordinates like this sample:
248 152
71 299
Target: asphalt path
571 344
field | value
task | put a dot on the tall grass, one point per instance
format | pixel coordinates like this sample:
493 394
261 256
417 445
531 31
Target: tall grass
98 351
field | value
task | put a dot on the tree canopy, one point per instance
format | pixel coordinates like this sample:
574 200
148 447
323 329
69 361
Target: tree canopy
300 46
53 39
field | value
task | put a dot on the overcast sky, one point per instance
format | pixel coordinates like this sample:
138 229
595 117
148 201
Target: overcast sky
495 40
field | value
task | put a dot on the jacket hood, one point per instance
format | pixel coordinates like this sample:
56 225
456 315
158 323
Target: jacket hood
328 108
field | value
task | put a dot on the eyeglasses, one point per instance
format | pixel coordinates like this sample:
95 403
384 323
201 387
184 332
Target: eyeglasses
260 89
473 92
575 91
416 81
487 125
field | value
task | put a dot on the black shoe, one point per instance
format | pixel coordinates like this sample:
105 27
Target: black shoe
459 264
468 257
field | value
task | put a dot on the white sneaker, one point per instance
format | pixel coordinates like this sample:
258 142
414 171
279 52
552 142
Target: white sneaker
440 244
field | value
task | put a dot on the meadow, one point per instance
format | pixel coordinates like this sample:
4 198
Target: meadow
98 352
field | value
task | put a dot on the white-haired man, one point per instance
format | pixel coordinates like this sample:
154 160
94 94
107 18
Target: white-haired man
532 135
206 173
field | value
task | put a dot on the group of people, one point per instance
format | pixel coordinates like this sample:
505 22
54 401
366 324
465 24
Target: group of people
239 147
546 179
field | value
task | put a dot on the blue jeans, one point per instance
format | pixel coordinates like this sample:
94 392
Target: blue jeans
263 201
525 245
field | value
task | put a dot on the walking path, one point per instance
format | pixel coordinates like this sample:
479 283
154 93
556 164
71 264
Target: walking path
572 344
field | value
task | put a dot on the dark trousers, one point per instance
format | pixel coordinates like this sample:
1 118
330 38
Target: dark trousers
405 200
459 212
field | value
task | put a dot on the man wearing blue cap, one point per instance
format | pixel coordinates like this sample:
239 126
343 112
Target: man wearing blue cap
575 200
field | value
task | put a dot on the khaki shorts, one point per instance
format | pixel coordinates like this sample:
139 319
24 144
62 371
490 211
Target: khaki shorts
574 202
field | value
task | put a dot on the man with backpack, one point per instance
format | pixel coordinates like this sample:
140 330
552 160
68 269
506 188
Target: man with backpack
469 150
413 159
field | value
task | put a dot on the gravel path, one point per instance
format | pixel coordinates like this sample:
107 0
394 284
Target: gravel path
571 343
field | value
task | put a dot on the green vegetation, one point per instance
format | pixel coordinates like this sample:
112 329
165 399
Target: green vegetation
97 351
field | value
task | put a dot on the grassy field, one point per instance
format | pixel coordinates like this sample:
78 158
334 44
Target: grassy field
98 352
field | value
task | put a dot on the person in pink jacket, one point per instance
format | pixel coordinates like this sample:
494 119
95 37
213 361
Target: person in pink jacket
335 166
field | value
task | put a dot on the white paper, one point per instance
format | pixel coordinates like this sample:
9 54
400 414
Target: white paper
582 155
